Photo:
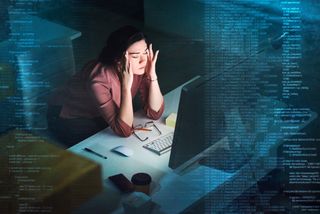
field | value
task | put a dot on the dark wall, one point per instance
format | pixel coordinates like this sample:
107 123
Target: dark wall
130 8
4 26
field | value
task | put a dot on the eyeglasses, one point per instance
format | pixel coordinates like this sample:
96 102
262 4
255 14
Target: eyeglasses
148 126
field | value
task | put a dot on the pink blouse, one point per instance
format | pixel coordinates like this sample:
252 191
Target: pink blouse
96 91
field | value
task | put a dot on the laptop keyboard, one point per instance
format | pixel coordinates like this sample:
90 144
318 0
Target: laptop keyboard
160 145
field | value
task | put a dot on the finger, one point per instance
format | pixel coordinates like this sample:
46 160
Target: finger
130 69
126 62
155 57
150 52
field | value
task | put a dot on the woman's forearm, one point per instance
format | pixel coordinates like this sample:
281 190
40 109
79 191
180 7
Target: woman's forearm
155 95
126 110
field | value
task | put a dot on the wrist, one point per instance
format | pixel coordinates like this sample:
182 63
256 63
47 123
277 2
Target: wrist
126 89
126 86
152 75
152 78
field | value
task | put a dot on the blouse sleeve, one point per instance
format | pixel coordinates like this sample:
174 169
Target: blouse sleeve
144 95
101 92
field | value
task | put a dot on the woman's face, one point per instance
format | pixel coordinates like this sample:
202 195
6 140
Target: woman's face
137 55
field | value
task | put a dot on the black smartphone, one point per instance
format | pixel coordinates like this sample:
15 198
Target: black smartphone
122 183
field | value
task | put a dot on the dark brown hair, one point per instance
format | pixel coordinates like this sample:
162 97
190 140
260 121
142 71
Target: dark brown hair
118 42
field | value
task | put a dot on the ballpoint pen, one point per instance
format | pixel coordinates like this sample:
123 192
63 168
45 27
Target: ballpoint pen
93 152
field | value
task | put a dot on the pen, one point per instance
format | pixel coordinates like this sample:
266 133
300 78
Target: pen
91 151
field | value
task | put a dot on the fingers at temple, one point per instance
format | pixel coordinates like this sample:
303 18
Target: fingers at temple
155 56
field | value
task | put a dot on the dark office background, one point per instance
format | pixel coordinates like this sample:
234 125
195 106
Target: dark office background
182 57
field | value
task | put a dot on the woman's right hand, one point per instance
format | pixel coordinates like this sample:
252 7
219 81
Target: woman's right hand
127 73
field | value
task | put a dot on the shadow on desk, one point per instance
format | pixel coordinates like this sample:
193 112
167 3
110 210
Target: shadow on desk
228 160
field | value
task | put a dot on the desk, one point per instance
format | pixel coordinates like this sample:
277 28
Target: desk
146 161
172 192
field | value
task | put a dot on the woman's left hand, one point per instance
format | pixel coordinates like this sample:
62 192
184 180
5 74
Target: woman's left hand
151 64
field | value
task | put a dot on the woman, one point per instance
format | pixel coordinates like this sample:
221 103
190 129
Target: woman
102 93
